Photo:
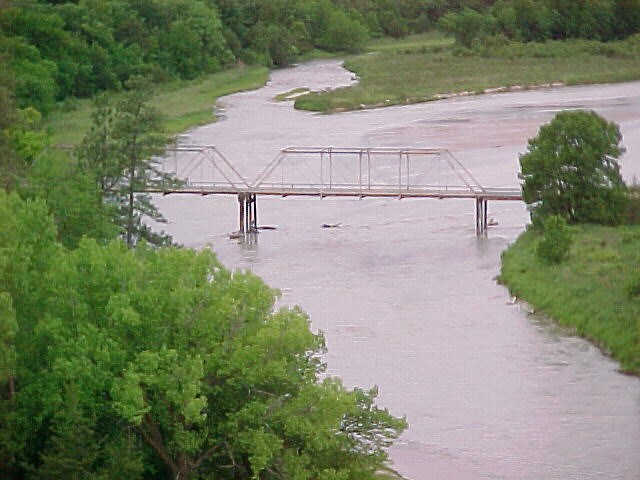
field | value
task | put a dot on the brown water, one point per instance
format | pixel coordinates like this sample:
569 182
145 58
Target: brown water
405 293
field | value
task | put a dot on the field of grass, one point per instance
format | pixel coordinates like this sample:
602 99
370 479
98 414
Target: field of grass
427 67
184 104
591 291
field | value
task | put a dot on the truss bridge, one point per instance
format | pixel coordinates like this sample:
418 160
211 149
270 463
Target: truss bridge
331 172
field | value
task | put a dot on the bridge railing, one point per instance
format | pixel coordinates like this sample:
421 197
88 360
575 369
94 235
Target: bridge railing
328 171
367 171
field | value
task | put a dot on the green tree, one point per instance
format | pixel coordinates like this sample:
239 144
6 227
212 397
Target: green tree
627 18
8 157
8 331
73 449
74 199
570 169
120 150
467 26
167 345
533 19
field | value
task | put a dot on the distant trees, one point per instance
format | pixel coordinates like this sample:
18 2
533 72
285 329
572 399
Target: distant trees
60 49
467 26
75 49
570 170
540 20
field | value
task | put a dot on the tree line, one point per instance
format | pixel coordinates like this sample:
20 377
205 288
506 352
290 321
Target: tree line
541 20
59 49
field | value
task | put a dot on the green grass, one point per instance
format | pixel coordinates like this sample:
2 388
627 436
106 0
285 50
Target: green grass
184 104
423 68
432 40
590 291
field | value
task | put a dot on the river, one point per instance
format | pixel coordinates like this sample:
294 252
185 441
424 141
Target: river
405 292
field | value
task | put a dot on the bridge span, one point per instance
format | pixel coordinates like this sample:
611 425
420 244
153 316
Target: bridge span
331 172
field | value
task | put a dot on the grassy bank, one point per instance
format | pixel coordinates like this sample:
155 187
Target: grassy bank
589 291
184 104
424 68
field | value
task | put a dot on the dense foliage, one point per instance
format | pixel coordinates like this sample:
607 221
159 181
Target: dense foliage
59 49
570 169
159 363
540 20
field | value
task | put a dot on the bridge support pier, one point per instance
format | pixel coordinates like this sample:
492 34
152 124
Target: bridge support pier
481 215
248 206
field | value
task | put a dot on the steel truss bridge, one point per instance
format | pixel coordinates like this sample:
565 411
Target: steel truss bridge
330 172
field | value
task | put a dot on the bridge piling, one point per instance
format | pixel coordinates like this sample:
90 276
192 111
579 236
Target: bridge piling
248 207
482 208
241 206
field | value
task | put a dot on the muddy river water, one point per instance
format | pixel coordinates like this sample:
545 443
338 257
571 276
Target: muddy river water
405 292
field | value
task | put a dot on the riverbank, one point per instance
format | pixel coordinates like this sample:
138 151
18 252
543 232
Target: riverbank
591 291
184 104
419 68
430 67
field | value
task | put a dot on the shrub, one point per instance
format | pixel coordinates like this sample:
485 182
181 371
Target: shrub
556 243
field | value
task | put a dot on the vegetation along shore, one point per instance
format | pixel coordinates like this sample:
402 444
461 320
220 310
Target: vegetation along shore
596 290
579 261
430 67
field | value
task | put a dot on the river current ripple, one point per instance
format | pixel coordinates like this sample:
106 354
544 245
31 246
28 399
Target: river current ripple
405 292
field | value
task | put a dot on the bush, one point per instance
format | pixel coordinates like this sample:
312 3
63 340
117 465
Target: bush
556 243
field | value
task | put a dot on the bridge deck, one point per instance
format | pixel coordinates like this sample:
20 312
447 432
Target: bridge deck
316 191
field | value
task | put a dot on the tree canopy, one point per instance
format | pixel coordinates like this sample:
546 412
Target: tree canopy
58 49
160 363
570 169
541 20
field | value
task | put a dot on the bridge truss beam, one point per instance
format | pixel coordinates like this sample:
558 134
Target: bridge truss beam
331 171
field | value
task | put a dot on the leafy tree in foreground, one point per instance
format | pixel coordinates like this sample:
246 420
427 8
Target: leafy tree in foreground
570 169
167 363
